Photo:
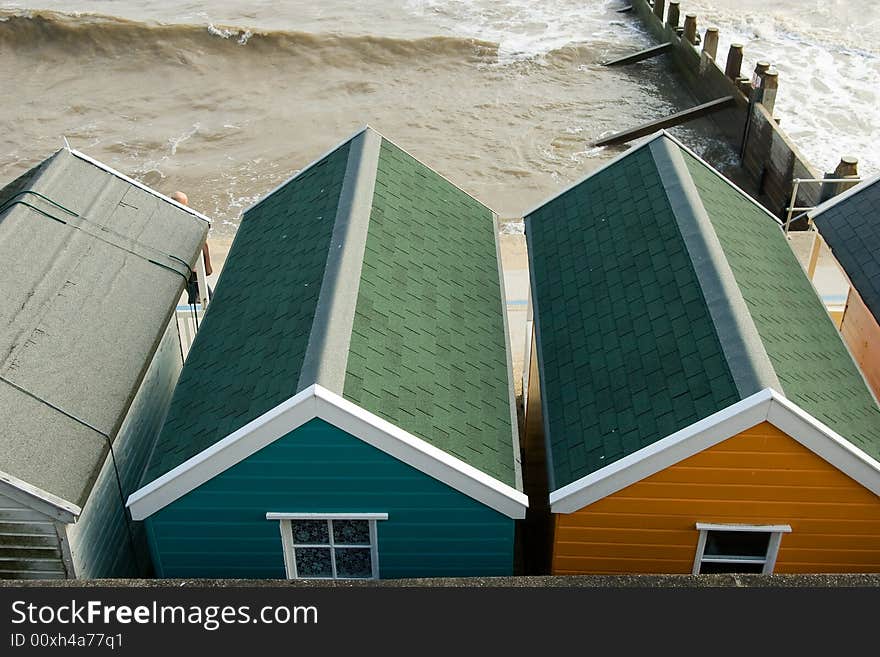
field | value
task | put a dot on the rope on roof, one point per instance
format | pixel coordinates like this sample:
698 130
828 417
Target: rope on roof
12 202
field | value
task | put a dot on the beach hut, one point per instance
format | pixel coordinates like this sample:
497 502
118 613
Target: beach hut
92 265
850 225
346 410
699 409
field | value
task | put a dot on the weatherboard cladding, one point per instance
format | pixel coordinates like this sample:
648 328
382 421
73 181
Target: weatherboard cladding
426 341
812 363
92 268
220 528
249 350
427 348
851 228
627 347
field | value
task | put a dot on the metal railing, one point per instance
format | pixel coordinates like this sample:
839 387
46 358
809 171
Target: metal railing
791 209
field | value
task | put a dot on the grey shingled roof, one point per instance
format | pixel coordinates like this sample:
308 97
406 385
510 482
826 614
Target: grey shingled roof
92 268
850 224
663 294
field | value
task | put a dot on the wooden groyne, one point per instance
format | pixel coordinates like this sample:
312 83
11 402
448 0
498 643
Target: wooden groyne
770 161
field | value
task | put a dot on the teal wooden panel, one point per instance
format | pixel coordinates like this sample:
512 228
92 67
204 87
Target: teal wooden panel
220 529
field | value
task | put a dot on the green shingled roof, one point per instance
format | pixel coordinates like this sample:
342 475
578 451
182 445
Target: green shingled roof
373 276
662 294
815 369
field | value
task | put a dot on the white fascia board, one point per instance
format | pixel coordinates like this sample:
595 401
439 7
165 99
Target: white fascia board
222 455
610 163
290 179
140 185
318 402
38 499
668 451
766 405
834 200
824 442
420 454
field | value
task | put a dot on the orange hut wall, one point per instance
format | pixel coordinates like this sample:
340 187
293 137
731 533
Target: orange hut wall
761 476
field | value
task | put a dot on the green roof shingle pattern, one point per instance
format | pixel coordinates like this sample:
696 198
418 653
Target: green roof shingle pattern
249 350
424 337
428 349
811 361
627 347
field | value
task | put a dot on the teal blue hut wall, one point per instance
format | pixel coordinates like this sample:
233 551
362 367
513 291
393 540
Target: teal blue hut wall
220 528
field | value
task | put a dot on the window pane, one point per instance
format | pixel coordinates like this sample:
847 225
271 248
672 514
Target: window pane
313 562
351 532
709 568
310 532
353 562
737 544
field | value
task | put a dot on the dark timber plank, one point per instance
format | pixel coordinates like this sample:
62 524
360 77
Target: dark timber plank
639 56
670 121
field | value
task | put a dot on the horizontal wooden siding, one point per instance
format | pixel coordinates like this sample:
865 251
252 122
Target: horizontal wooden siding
761 476
220 529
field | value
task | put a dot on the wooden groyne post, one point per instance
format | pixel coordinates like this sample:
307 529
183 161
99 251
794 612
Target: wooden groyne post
769 159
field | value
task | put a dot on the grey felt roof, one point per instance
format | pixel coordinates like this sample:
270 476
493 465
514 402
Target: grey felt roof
850 224
92 268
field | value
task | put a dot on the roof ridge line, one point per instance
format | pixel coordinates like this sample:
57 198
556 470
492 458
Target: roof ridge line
132 181
720 175
743 349
610 163
308 166
16 488
840 198
326 355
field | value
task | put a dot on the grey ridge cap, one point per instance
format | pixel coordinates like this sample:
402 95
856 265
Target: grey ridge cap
289 179
38 499
645 142
834 200
329 338
764 406
318 402
743 349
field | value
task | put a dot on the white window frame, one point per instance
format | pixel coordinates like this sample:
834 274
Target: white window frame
286 527
769 559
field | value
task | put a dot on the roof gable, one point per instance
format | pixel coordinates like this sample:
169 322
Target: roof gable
317 402
395 303
94 264
766 405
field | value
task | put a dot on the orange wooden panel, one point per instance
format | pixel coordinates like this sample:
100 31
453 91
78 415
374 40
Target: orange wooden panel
861 333
759 477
